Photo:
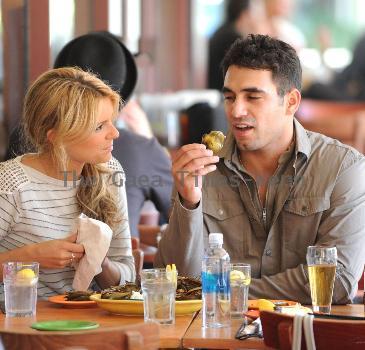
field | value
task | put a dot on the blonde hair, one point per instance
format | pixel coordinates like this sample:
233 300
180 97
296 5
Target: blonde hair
66 100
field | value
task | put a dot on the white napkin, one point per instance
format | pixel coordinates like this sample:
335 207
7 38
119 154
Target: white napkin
95 236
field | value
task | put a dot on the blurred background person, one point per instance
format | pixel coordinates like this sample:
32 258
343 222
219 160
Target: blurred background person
277 23
347 85
238 23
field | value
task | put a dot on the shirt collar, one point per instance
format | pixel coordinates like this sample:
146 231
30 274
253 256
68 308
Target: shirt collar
303 144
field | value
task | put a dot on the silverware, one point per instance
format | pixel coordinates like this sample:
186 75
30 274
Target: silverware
248 330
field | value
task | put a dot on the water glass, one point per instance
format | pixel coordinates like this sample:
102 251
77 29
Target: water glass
158 288
240 279
322 263
20 287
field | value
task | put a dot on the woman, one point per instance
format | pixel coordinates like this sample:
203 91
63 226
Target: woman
68 117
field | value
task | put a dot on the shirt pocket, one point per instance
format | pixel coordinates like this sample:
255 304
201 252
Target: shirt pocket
301 219
228 217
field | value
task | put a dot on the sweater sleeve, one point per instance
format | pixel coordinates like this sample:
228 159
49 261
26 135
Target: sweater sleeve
183 241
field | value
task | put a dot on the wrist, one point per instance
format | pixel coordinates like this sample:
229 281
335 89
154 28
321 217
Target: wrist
187 204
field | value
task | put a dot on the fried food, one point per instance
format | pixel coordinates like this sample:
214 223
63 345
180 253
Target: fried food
187 289
79 295
214 141
123 292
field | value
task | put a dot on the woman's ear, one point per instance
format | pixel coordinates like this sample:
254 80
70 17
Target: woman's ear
292 101
51 135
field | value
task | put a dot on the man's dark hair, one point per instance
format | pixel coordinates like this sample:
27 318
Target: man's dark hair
262 52
235 8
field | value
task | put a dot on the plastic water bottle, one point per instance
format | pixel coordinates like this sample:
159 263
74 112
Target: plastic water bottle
215 284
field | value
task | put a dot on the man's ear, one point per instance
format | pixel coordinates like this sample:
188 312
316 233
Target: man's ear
51 135
292 101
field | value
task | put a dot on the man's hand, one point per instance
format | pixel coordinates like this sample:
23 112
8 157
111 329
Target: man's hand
190 164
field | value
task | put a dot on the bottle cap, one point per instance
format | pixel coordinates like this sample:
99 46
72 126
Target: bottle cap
216 238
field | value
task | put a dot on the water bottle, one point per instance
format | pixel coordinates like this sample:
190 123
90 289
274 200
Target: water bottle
215 284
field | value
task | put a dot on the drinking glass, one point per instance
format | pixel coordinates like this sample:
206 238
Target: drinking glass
158 288
240 279
20 287
322 263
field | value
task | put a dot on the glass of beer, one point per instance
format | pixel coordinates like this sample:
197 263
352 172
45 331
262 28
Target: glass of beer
322 263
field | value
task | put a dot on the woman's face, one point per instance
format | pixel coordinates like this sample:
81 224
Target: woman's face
96 148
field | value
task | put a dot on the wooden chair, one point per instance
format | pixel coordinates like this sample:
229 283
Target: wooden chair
138 256
134 337
148 241
340 120
328 333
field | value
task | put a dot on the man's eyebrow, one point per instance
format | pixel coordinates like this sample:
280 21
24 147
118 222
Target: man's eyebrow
248 89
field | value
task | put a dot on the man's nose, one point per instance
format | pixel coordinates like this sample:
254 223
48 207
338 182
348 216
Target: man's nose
239 108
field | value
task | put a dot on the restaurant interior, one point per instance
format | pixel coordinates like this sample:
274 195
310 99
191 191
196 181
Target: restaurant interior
170 43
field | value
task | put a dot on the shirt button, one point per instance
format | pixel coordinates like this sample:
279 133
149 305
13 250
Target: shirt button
268 252
220 211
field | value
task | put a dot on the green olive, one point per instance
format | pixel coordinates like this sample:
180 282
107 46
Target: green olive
214 141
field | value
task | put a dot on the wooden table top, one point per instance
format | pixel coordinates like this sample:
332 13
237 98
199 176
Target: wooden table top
224 338
170 336
186 332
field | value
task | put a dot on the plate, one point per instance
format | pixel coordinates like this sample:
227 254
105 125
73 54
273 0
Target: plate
64 325
252 304
135 307
61 299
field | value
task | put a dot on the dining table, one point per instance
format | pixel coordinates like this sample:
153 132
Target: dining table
170 335
187 332
224 338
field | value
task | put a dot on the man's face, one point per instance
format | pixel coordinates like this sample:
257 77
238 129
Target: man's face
259 118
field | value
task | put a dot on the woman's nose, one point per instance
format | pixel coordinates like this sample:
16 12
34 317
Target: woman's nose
114 133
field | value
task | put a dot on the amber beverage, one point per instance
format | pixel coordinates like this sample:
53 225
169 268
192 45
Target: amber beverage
322 263
321 279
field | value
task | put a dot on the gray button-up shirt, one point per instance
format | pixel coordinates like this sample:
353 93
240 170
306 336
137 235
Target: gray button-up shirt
316 197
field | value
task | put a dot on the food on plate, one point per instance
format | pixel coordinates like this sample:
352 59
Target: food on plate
122 292
79 295
187 289
214 141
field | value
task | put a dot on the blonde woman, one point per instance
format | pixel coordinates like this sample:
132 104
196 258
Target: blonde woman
68 117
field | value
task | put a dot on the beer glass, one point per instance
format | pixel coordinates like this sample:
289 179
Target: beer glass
322 263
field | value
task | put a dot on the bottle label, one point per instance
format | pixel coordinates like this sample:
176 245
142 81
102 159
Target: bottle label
212 282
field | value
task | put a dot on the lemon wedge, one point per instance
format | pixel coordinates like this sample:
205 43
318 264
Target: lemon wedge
172 273
239 276
26 274
265 305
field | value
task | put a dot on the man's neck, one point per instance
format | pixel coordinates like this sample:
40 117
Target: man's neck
264 162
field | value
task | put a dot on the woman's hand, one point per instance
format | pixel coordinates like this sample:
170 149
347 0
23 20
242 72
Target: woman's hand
57 253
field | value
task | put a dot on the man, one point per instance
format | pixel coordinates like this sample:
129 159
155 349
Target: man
145 162
238 23
275 188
